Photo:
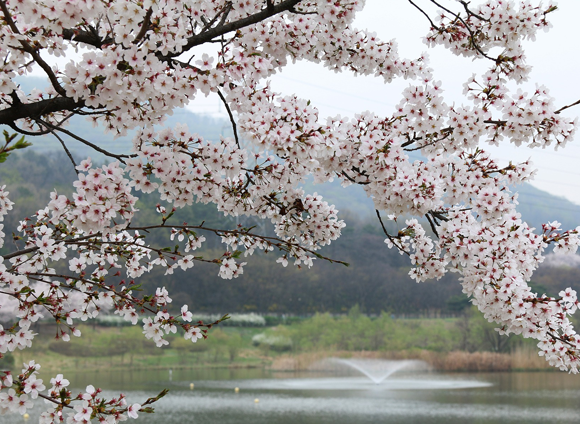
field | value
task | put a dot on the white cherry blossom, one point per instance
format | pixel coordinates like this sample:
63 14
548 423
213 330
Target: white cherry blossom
136 62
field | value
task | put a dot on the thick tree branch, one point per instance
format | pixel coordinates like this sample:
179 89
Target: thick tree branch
144 26
34 110
86 37
211 33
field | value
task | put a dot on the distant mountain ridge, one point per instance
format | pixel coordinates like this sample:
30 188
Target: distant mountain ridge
536 206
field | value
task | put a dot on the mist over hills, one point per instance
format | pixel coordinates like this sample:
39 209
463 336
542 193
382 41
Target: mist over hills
536 206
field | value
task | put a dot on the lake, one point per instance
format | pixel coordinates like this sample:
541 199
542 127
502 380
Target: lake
322 398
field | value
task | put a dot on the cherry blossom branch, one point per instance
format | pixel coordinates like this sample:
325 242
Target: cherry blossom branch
140 303
93 245
32 51
102 286
223 29
471 34
274 241
144 26
448 132
469 12
283 245
53 400
21 252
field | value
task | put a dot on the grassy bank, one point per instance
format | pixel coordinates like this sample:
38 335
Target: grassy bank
468 343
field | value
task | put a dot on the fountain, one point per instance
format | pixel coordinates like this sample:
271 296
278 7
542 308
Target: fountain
336 374
378 370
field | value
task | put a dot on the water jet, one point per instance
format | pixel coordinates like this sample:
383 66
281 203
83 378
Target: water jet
378 370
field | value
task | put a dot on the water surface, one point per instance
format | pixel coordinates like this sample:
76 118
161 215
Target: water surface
318 398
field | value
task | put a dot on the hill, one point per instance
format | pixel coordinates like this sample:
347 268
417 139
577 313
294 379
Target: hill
536 206
206 126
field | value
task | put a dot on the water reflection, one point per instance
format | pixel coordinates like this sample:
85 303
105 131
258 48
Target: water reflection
347 384
309 398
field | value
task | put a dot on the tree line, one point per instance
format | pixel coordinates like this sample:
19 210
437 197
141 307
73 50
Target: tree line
376 279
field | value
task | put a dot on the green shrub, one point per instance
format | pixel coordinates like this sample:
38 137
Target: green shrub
276 343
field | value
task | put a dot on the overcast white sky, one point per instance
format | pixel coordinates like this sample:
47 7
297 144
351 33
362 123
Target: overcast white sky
554 56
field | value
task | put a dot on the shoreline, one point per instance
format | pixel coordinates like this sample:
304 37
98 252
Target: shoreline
519 360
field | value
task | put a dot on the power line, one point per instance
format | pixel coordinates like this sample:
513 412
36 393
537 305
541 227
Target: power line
332 90
555 208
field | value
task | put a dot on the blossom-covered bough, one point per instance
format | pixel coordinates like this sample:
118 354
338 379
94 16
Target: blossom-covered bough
133 62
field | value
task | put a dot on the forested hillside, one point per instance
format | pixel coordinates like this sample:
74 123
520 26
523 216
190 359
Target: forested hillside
536 206
376 279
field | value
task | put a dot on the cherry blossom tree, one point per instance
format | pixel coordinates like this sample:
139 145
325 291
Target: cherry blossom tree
132 62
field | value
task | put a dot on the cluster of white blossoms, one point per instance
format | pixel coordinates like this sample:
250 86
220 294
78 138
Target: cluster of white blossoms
136 61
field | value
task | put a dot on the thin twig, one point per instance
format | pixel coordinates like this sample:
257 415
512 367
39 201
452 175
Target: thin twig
66 150
352 180
425 145
232 120
426 15
471 13
224 10
88 143
37 133
432 224
25 132
577 102
393 241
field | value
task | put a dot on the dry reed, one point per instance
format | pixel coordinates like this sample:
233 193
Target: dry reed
520 359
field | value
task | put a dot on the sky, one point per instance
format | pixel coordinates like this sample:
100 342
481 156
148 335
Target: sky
554 56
